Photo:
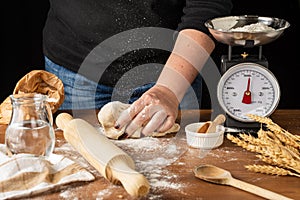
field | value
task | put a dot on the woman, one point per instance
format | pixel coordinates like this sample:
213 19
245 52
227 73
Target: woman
92 45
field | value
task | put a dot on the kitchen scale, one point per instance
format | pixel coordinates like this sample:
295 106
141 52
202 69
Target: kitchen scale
246 84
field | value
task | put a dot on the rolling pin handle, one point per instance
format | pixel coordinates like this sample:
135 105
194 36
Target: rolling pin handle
133 182
62 120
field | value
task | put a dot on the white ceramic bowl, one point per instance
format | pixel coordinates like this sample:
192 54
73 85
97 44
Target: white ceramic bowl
204 140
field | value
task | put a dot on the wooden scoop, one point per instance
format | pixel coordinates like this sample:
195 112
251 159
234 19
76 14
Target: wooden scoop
217 175
220 119
210 126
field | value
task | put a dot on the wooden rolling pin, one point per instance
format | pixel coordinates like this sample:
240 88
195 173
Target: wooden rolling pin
113 163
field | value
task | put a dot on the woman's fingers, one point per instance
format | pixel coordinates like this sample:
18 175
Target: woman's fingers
143 118
129 114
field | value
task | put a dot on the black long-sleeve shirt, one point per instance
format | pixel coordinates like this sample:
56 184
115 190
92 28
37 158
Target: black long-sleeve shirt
75 27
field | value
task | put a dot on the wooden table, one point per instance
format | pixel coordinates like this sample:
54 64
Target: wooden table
177 181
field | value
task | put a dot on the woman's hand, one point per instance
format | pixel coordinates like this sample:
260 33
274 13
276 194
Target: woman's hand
156 110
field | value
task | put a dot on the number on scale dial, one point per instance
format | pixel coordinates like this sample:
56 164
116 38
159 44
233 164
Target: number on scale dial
248 88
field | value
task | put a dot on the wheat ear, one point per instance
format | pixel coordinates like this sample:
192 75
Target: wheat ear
267 169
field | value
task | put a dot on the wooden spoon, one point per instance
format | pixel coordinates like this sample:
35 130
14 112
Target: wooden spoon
220 119
217 175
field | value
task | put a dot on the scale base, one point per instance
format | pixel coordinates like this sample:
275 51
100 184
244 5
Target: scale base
249 127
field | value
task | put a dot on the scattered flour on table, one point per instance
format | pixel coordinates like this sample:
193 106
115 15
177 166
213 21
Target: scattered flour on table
68 195
151 156
102 194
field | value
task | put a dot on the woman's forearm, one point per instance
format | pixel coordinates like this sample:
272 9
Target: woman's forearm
190 53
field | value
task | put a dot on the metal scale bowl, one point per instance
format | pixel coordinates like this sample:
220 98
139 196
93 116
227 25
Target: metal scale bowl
247 86
221 29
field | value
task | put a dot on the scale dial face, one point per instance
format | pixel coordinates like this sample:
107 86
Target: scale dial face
248 88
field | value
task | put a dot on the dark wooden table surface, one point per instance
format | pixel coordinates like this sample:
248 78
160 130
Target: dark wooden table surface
176 180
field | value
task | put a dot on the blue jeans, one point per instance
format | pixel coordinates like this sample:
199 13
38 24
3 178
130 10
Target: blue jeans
82 93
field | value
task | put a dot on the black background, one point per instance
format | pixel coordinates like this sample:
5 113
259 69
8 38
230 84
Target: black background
23 21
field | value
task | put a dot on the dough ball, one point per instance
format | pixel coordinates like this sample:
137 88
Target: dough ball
109 114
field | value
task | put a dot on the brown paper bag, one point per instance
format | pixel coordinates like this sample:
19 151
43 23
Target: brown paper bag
36 81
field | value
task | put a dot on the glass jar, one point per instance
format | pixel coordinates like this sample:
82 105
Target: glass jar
30 130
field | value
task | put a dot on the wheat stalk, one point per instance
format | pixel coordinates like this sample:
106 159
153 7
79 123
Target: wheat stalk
281 162
275 146
265 148
294 151
243 144
263 120
267 169
285 136
252 140
277 129
269 160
